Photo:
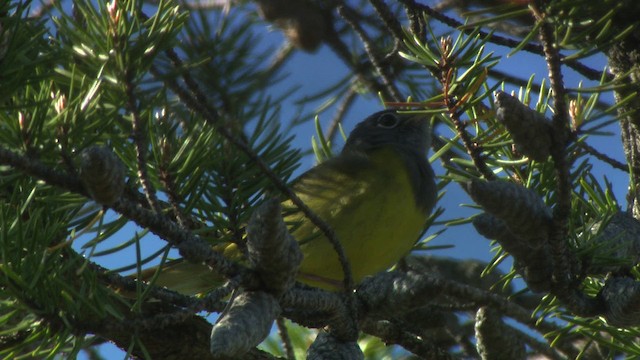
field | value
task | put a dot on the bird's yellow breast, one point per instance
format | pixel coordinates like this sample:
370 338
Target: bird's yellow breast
371 208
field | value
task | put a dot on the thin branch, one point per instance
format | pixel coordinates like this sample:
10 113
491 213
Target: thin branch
191 246
282 56
170 189
318 300
390 21
361 70
566 266
139 143
417 23
445 69
580 68
604 158
394 334
347 15
347 101
541 347
392 24
483 297
286 339
474 150
41 171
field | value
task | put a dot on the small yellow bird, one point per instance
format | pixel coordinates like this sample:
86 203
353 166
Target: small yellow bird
376 195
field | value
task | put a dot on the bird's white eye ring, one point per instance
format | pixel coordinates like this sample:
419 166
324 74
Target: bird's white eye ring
388 121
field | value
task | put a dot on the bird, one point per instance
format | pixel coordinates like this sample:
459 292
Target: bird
376 194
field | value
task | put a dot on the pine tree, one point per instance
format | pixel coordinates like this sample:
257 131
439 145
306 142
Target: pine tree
135 132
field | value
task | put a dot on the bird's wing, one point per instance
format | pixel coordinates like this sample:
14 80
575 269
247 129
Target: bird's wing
325 189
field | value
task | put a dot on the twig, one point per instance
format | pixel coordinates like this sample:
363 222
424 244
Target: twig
394 334
152 322
539 346
503 41
474 151
169 185
445 71
390 21
346 103
286 340
282 55
317 300
191 246
36 168
565 266
347 15
138 140
416 20
129 285
393 26
361 70
604 158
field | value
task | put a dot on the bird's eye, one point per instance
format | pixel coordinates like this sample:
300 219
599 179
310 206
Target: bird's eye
388 121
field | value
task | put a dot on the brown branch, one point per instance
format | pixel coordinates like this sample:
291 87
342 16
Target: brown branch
360 69
539 346
170 189
348 16
580 68
566 266
473 149
392 333
446 68
286 339
604 158
137 134
338 117
390 21
191 246
392 24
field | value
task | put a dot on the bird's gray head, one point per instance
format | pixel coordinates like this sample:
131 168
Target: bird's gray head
409 134
406 132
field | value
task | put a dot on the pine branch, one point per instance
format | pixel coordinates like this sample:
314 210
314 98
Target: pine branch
198 103
500 40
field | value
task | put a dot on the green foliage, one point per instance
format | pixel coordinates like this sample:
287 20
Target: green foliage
188 100
102 70
463 70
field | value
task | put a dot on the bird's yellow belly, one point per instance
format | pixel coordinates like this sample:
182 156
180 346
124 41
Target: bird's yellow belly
377 223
